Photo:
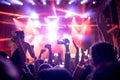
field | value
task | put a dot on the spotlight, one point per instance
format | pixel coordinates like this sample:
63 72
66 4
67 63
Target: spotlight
58 2
5 2
84 1
16 2
94 2
71 1
44 2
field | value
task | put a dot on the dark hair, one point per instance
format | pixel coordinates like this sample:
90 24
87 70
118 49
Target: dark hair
3 54
44 66
7 70
20 34
54 74
102 52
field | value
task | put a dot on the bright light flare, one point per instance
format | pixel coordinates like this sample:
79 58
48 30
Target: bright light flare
34 15
80 36
36 23
67 11
66 36
51 24
52 36
58 2
19 25
31 1
5 2
71 1
18 2
94 2
44 2
70 13
84 1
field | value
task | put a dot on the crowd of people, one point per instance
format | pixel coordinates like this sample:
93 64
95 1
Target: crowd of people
102 63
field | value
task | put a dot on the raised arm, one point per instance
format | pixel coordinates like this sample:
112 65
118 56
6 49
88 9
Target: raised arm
30 50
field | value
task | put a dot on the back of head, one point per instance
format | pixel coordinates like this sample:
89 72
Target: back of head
44 66
3 54
20 34
7 70
54 74
102 52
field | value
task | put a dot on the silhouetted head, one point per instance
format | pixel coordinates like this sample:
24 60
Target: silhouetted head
54 74
102 52
7 70
44 66
3 54
20 34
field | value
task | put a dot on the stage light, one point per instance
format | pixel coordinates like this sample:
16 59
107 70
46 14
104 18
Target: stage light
94 2
70 12
58 2
84 1
5 2
18 2
71 1
44 2
31 1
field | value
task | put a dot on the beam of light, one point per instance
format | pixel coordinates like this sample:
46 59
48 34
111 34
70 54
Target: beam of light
36 23
34 15
5 22
73 25
86 15
12 14
44 2
51 24
71 1
30 28
18 2
54 9
5 39
5 2
58 2
70 12
84 1
31 1
19 25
